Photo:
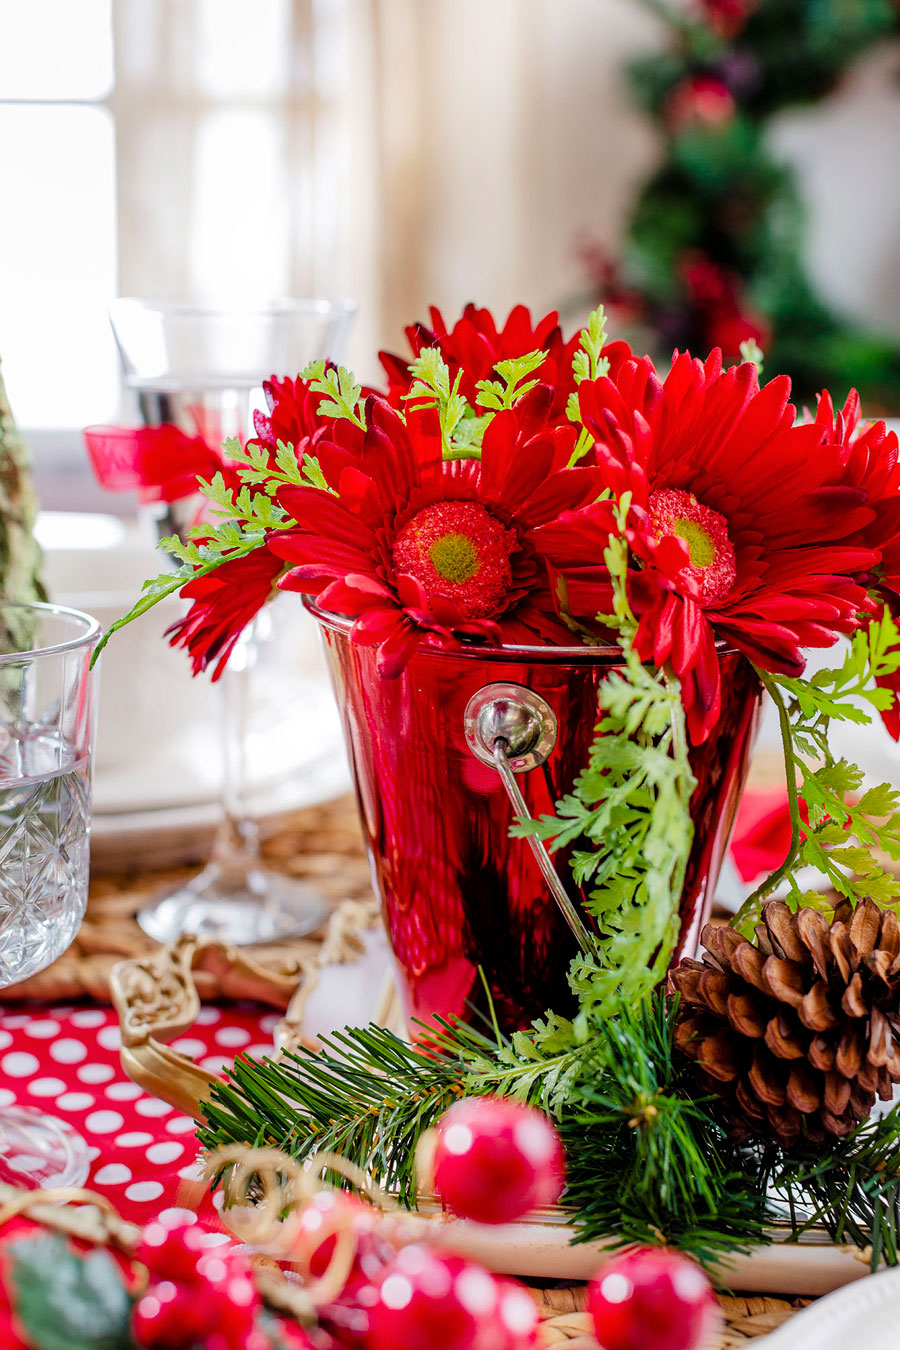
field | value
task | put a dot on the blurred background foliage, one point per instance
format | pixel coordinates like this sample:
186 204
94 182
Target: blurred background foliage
714 249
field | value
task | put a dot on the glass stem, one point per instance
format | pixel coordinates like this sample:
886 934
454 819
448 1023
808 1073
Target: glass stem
235 851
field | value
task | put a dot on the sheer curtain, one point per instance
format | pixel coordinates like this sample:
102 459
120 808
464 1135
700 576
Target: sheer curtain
402 151
236 149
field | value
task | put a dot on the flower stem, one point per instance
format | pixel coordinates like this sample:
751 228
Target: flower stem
751 908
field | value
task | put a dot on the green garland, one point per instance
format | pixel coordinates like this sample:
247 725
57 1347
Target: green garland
720 195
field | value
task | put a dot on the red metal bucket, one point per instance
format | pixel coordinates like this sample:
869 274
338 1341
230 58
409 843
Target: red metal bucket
457 892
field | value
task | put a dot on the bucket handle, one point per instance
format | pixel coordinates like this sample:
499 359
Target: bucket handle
513 729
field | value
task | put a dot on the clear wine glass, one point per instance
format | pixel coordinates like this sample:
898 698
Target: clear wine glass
47 699
201 368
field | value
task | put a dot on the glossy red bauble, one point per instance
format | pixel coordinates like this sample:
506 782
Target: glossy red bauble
430 1298
252 1339
319 1223
170 1317
496 1160
651 1298
171 1252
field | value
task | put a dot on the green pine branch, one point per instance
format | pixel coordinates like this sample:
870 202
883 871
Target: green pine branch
648 1159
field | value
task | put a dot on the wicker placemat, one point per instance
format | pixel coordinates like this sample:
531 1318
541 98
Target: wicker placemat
321 844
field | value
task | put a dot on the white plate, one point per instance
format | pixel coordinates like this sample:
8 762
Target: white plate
180 836
867 1313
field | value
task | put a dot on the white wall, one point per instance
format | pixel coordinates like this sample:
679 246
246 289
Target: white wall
846 154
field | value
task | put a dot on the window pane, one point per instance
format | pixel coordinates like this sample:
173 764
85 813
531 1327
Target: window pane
55 49
57 264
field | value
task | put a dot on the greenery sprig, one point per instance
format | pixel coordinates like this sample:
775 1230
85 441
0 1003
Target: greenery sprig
341 395
846 828
514 382
588 363
628 816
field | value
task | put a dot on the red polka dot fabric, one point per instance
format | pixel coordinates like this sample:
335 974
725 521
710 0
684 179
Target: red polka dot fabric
65 1061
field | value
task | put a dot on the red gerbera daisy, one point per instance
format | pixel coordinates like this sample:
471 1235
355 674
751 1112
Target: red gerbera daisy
419 549
224 602
870 454
748 526
475 344
293 414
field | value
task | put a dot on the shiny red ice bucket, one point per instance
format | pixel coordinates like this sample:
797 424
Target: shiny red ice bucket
457 892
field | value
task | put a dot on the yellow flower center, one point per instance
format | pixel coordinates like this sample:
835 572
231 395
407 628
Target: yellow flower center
459 550
711 564
455 558
700 545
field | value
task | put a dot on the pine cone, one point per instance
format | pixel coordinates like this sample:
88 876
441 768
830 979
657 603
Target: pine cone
799 1031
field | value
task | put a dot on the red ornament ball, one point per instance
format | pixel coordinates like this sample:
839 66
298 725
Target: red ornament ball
171 1252
328 1214
649 1297
170 1317
496 1160
431 1298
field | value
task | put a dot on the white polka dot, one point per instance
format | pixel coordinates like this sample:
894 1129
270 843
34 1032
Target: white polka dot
218 1200
6 1097
19 1064
181 1125
133 1139
259 1051
5 1039
113 1174
43 1030
62 1012
15 1020
207 1017
68 1051
152 1106
269 1023
123 1092
165 1152
213 1239
144 1190
216 1063
110 1038
94 1153
232 1036
95 1073
186 1045
175 1215
193 1172
46 1087
103 1122
75 1101
88 1017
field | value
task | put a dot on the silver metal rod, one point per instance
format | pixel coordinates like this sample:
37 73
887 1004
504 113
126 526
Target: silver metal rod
548 871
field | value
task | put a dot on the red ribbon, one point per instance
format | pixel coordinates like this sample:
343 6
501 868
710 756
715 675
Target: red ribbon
160 463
